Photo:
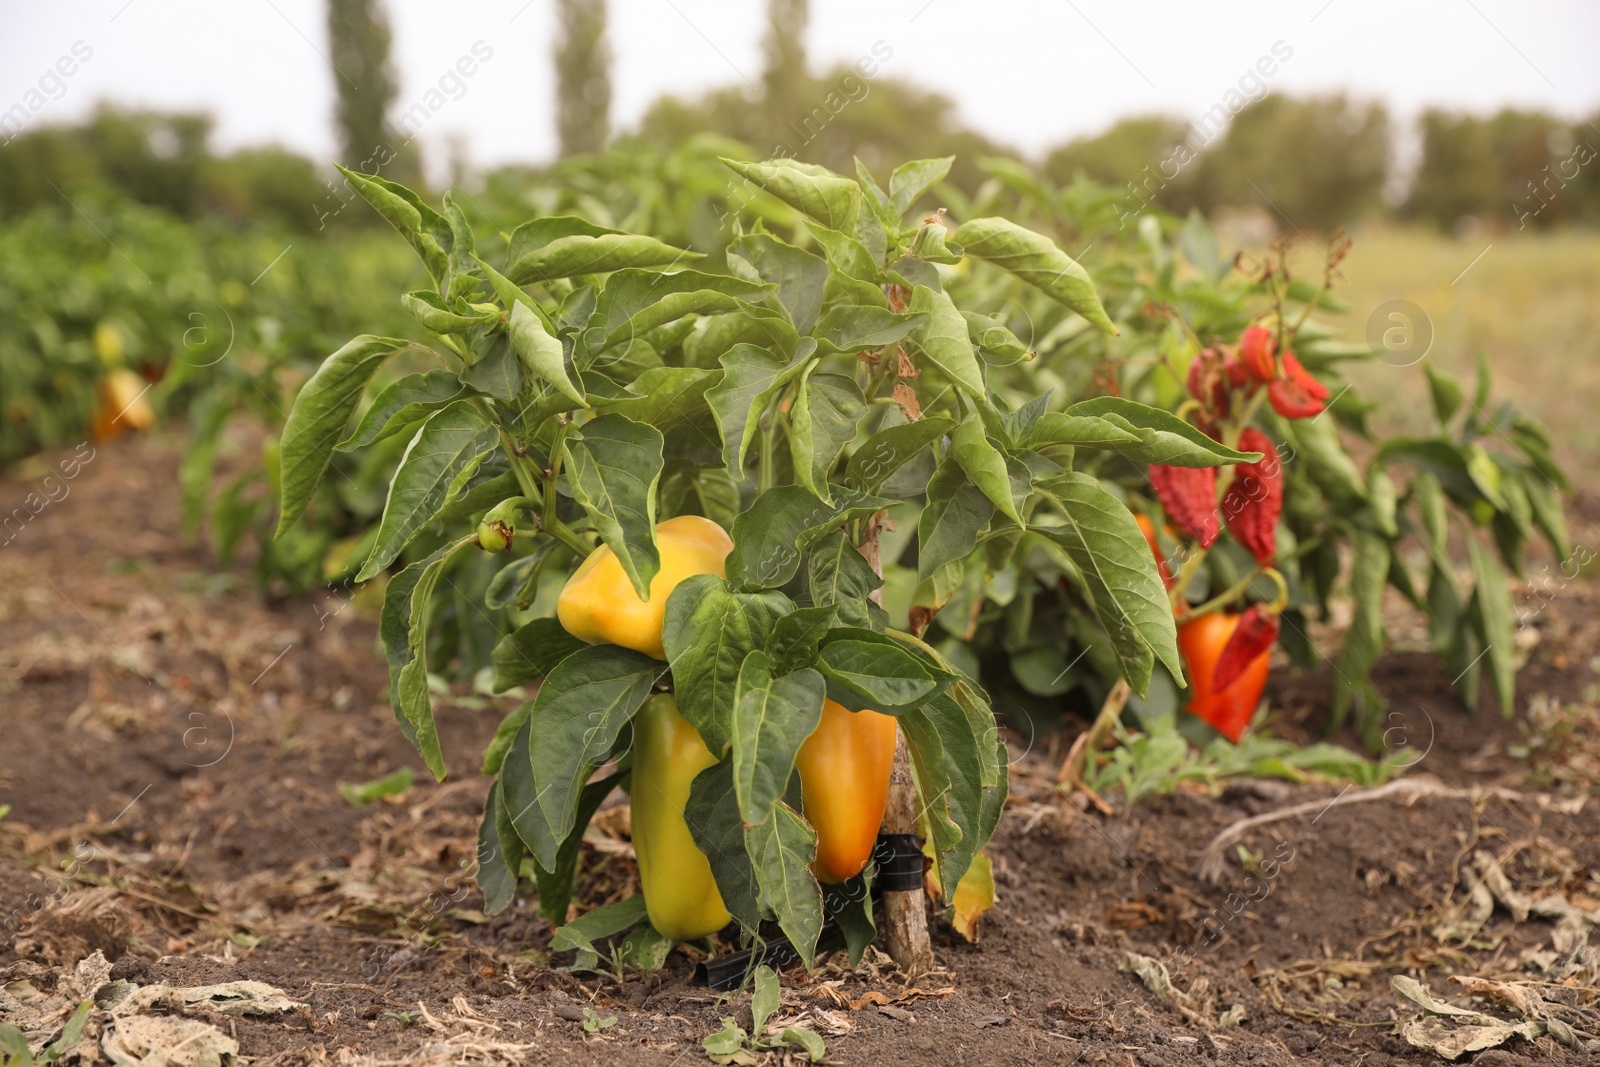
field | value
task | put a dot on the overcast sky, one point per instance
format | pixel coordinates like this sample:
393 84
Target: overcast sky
1030 73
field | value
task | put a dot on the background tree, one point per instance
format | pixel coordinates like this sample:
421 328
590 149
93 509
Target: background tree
1321 161
784 80
358 40
583 77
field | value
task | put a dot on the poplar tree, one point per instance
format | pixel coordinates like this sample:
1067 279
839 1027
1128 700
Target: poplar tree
583 76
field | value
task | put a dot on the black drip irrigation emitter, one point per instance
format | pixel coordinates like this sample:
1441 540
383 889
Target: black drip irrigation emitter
898 858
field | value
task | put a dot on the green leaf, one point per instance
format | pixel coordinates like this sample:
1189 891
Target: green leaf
879 674
826 411
428 231
771 537
800 277
751 377
494 756
1545 500
708 631
781 850
541 352
1114 560
597 924
531 651
837 573
728 1042
644 949
947 761
985 464
712 813
496 876
403 627
1364 640
765 999
852 327
1166 438
1058 428
1036 260
668 397
635 302
889 449
1496 618
360 794
956 513
437 316
581 707
318 418
1446 392
443 455
945 341
564 246
400 404
848 905
497 373
772 717
808 1041
615 464
910 180
1383 500
1330 466
814 191
996 344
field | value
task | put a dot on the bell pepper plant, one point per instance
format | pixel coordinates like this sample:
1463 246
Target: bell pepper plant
676 483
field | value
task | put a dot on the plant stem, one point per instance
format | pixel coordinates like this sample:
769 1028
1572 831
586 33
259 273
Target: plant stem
1226 596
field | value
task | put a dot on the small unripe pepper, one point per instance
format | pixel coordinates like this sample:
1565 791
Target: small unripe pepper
680 892
598 604
844 784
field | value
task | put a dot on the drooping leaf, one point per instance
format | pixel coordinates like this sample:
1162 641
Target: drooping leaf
403 627
542 353
1167 439
1364 640
402 403
751 377
985 464
581 706
888 450
772 717
1036 260
531 651
562 246
1496 618
615 465
800 277
771 537
1114 560
945 342
427 231
443 455
317 421
635 302
817 192
496 373
867 670
837 572
910 180
956 513
781 850
826 411
712 813
496 876
708 631
852 327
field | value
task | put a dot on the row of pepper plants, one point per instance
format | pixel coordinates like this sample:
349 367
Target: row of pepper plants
701 466
1248 350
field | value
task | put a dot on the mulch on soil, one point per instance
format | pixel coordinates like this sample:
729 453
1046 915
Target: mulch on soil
171 749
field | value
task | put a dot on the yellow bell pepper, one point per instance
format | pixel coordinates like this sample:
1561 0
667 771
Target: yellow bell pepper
844 784
598 604
680 893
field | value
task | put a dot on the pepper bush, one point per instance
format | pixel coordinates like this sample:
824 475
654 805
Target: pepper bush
594 383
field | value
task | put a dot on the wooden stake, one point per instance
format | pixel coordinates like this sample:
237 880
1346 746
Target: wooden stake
905 914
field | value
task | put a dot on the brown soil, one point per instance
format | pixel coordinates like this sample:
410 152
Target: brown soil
170 748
